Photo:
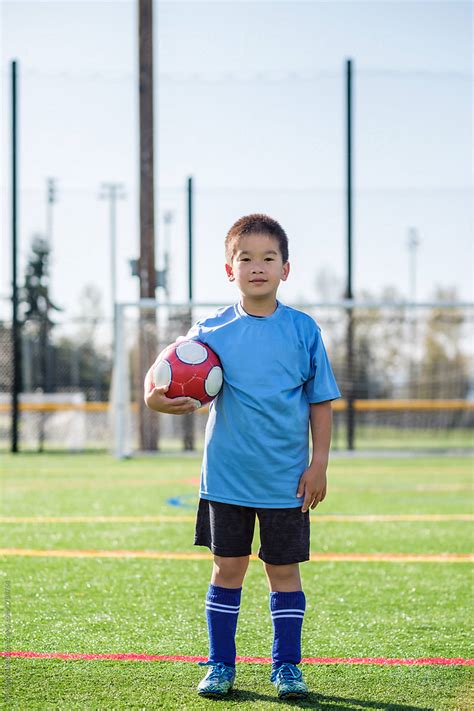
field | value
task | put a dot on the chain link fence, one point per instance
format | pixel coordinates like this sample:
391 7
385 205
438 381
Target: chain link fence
411 384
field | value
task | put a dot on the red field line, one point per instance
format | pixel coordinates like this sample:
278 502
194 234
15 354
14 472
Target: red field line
421 661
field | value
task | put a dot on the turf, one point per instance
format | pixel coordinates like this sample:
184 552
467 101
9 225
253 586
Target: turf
375 437
355 609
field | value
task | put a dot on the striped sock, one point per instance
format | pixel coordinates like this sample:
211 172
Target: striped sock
222 610
287 610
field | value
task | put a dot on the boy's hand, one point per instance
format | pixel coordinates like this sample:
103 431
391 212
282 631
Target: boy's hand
313 485
156 399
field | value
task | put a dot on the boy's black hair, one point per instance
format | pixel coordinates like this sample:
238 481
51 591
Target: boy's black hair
256 224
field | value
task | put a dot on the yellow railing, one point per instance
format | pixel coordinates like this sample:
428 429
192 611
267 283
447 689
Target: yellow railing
406 405
338 406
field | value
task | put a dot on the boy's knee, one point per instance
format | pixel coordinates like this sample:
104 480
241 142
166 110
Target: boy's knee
283 577
229 572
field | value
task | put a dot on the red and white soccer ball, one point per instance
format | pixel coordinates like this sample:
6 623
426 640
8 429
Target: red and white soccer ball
190 369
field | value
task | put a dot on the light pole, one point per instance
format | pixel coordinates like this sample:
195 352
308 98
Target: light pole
413 243
51 199
168 217
112 192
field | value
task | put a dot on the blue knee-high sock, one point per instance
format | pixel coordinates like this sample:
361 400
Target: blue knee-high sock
287 610
222 610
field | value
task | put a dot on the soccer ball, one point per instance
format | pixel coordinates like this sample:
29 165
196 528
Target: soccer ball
191 369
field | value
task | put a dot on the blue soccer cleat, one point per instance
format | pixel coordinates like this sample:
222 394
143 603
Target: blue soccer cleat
289 683
218 680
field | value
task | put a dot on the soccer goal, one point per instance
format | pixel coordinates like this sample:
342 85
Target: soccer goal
406 373
142 330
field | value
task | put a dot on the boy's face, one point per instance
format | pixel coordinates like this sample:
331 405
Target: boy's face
257 266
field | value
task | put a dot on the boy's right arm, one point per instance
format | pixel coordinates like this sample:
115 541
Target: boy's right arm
156 399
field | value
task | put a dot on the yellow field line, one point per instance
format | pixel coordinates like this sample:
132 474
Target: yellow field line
364 518
369 518
18 485
96 519
80 483
319 557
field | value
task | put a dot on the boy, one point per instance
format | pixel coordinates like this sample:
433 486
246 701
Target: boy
277 381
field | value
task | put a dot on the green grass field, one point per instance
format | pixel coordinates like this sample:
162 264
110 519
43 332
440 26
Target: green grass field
355 608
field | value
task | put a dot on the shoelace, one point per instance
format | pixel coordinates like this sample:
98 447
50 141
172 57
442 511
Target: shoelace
289 672
216 672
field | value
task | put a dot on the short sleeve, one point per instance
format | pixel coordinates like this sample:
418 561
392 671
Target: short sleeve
321 386
195 333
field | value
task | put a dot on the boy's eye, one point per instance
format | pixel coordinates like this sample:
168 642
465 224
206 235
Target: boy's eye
269 259
245 259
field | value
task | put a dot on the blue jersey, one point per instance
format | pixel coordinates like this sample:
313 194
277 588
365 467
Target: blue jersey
257 435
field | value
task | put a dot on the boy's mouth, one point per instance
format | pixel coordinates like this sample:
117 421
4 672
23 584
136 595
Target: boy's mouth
257 281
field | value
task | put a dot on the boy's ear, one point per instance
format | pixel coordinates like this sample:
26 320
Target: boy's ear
285 271
229 272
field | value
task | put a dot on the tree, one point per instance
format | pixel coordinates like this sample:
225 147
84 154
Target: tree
81 362
444 369
36 311
379 359
381 340
328 285
91 312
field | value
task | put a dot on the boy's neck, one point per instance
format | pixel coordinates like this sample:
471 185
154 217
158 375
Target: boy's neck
259 307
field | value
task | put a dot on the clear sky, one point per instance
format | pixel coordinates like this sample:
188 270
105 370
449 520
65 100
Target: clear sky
250 101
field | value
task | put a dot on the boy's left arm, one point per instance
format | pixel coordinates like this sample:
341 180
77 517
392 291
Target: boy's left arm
313 481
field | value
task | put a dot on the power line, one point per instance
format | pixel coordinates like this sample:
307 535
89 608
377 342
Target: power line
268 76
179 189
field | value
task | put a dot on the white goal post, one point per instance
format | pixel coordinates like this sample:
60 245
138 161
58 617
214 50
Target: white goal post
169 316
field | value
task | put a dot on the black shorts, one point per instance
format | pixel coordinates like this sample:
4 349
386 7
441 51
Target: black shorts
228 531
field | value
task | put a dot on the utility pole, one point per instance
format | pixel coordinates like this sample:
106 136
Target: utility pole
148 338
147 217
